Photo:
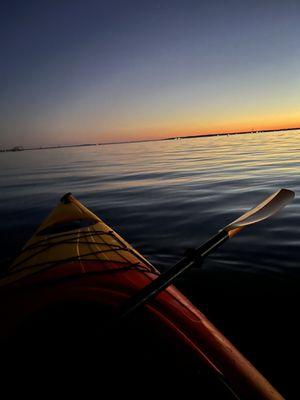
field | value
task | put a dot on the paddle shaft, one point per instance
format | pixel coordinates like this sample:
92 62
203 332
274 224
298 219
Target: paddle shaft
262 211
166 278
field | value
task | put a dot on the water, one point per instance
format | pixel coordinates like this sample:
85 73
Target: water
166 196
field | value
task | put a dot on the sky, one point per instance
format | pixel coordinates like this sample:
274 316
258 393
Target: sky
85 71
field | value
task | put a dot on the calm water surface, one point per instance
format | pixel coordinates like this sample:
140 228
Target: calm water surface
164 197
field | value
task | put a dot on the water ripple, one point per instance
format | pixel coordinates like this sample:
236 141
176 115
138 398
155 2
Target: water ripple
165 196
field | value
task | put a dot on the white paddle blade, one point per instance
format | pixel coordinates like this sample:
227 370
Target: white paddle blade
270 206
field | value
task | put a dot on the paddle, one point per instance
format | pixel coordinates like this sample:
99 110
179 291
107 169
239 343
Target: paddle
270 206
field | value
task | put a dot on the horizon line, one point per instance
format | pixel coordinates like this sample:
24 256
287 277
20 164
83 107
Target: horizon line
197 135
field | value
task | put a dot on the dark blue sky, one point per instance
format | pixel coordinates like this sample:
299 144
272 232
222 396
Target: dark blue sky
81 71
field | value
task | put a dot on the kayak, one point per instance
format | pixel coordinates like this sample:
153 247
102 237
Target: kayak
75 259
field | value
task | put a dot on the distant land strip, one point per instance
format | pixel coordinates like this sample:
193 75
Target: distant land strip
200 135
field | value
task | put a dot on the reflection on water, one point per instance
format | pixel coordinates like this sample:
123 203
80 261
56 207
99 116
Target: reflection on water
166 196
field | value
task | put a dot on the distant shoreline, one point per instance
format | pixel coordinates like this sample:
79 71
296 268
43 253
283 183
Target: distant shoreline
201 135
231 133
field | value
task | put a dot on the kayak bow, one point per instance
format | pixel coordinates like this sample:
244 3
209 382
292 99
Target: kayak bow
74 256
